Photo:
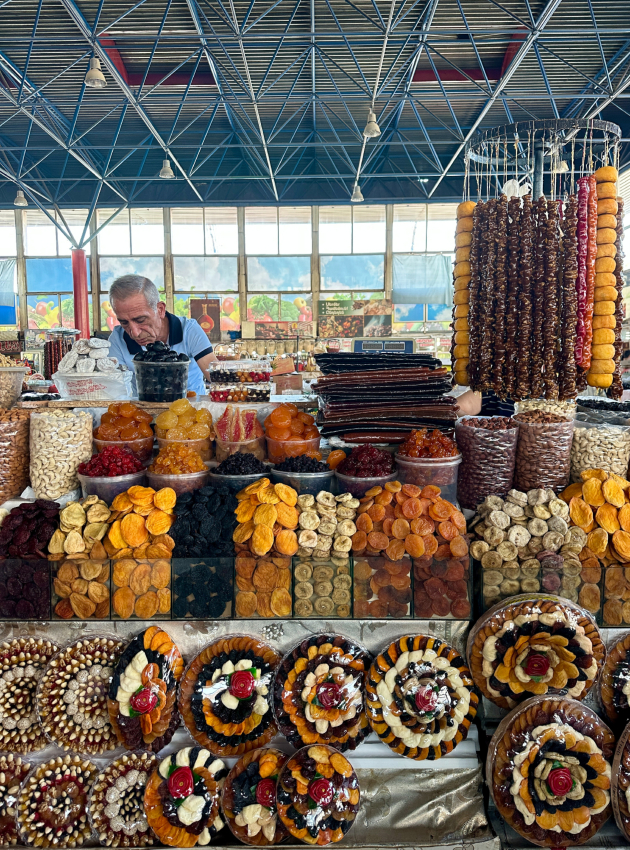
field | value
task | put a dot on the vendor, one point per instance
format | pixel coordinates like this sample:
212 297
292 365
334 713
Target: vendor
488 403
144 318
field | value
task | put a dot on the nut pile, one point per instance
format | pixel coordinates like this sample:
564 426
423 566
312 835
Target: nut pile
203 590
599 506
139 524
88 355
382 588
13 771
81 590
141 588
603 446
117 801
27 530
263 586
81 525
72 696
14 452
322 589
60 441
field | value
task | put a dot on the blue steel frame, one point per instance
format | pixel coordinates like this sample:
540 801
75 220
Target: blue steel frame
264 101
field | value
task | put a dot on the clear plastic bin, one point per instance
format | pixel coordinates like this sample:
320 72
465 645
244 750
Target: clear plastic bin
441 472
278 450
143 447
202 447
184 483
108 488
234 482
161 381
306 482
359 486
11 378
225 448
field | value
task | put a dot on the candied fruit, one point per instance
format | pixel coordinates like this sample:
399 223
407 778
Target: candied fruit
422 443
181 406
177 460
182 422
124 421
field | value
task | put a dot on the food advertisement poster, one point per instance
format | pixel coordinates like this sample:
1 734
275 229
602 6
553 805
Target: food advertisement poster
351 317
283 330
207 312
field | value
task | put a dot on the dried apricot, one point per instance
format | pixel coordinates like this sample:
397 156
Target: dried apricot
165 498
393 486
400 528
580 512
431 492
123 602
147 605
414 545
359 542
441 509
400 497
364 523
134 531
387 526
458 547
411 490
411 507
606 518
395 550
448 530
422 525
365 506
613 493
160 574
140 580
459 521
378 540
592 492
430 544
443 552
402 581
384 498
624 517
287 542
376 512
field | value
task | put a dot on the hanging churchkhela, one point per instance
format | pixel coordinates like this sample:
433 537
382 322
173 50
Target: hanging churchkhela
537 304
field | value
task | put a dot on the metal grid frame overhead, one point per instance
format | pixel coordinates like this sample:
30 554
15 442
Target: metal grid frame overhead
265 101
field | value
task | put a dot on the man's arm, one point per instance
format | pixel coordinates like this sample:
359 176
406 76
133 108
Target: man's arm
117 347
205 361
469 403
199 348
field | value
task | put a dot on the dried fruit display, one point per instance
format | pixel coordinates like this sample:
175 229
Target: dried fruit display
81 525
549 771
53 803
24 590
466 279
204 522
366 461
616 588
238 430
422 443
27 530
141 589
536 644
116 805
421 698
139 523
614 684
72 695
182 421
22 664
319 692
13 771
263 586
290 431
382 587
267 519
182 797
441 587
142 693
225 696
177 459
81 590
620 784
112 461
321 588
202 589
124 423
249 798
318 795
615 390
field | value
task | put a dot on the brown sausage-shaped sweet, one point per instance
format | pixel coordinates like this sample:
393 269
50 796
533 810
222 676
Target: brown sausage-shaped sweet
512 312
551 317
487 302
568 369
525 302
539 299
480 220
500 297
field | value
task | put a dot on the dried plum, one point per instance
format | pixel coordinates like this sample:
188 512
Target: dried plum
24 587
200 592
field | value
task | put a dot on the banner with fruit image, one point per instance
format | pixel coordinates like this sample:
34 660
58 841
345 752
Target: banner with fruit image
207 312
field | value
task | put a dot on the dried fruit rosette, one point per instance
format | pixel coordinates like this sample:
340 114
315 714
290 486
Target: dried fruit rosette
534 644
614 684
549 771
318 692
116 805
421 698
13 770
182 797
620 781
249 798
142 693
225 697
318 795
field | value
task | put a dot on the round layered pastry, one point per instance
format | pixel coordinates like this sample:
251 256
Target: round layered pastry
620 791
549 771
72 695
249 798
318 693
22 663
116 805
532 645
13 771
420 697
143 690
225 697
182 798
53 803
318 795
614 684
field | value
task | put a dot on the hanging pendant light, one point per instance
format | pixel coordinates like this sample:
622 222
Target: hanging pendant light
20 200
372 130
357 197
94 78
167 172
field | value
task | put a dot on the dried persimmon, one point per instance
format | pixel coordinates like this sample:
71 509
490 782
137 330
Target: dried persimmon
364 523
411 507
378 540
400 529
458 547
377 513
447 530
395 551
414 545
430 544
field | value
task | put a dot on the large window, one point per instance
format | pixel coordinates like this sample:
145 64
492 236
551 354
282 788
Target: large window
197 230
44 239
137 232
278 230
8 274
114 267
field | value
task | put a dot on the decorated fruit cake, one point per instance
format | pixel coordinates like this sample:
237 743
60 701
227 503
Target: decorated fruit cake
182 797
318 693
249 798
318 795
420 697
225 695
13 771
534 644
614 683
141 700
549 771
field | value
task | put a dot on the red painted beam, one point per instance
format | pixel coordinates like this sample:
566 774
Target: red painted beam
448 75
134 78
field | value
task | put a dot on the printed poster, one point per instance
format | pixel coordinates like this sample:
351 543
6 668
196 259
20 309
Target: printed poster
207 313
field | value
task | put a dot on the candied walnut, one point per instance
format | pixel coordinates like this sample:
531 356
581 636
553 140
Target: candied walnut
147 605
82 606
140 580
123 601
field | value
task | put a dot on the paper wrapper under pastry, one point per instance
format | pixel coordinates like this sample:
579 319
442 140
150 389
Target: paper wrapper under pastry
542 752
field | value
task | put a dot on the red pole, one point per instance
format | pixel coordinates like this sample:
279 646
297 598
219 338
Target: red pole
79 284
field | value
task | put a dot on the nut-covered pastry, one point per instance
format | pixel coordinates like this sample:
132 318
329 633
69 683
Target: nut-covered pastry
22 663
141 699
549 771
614 683
318 795
532 645
420 697
72 695
249 798
182 797
318 692
225 695
116 804
12 772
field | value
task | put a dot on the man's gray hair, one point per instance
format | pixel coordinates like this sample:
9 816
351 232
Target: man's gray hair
134 284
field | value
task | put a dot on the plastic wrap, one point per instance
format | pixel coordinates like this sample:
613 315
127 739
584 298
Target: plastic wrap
614 683
525 301
511 649
252 783
60 440
182 806
225 695
14 453
116 804
420 697
96 385
568 369
549 771
325 813
319 682
543 453
604 447
488 447
72 695
145 680
13 770
582 255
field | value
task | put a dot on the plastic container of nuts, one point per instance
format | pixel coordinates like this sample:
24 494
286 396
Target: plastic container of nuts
14 453
60 440
599 446
11 378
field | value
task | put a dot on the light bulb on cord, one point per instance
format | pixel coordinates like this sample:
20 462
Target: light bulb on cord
167 172
94 78
371 128
20 200
357 197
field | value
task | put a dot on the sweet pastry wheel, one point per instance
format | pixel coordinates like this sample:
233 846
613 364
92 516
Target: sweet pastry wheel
225 695
318 795
116 801
534 644
13 771
549 771
72 695
318 693
420 697
249 798
614 683
620 791
182 797
142 693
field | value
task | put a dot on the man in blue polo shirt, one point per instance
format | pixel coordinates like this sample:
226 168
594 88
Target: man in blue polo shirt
144 318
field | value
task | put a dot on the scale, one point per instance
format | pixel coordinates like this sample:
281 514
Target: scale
378 346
